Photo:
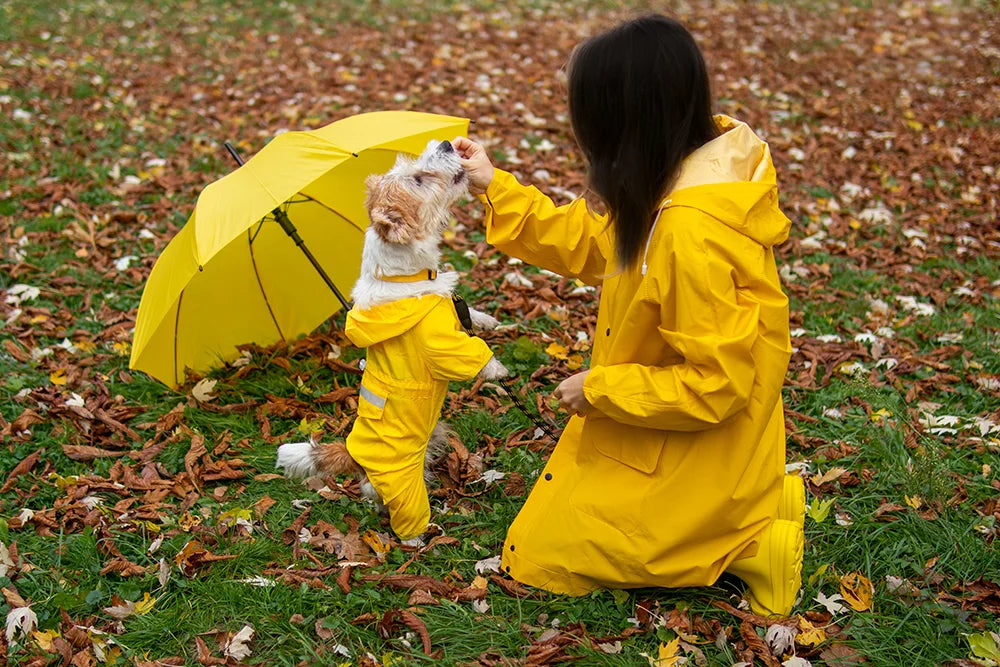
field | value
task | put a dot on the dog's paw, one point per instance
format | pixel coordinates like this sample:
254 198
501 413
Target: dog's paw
481 320
296 458
417 542
494 370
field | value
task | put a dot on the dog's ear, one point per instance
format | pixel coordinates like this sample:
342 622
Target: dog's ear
393 225
372 182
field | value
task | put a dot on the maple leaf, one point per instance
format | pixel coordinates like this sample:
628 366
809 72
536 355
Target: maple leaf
202 390
668 654
20 620
488 565
145 605
818 510
45 639
832 603
781 638
857 591
809 634
58 377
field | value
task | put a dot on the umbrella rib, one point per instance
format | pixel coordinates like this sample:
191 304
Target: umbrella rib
260 284
177 321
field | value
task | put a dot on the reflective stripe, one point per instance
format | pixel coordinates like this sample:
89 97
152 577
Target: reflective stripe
371 397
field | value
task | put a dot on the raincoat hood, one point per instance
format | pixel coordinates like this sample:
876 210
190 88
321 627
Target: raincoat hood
387 320
748 202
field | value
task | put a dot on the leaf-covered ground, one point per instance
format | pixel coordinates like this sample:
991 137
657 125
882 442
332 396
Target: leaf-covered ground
145 526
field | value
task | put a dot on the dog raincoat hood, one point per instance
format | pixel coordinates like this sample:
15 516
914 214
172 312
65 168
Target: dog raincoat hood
678 468
388 320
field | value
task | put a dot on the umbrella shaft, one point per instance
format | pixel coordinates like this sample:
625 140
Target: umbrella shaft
282 219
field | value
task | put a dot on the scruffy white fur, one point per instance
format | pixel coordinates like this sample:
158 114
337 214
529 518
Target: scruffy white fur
408 211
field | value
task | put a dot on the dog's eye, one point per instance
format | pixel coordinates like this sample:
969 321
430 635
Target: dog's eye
419 179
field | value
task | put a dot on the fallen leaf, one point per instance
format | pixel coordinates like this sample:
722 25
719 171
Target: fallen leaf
45 639
781 638
25 465
841 655
202 390
832 603
236 648
668 655
21 620
829 476
809 634
818 510
857 591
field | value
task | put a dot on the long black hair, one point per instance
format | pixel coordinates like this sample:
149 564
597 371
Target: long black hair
639 102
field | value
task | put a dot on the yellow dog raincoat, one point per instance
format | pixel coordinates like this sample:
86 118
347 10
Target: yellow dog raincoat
415 346
678 468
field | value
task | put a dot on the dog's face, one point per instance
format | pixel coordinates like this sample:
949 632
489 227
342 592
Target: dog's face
409 202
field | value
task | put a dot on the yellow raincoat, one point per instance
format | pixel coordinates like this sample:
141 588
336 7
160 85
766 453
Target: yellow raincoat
415 346
678 468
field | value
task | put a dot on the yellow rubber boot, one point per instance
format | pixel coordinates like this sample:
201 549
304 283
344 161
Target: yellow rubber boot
792 505
774 576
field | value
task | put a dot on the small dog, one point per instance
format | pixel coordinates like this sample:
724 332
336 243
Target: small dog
403 314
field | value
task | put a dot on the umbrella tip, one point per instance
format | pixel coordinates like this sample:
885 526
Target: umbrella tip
354 154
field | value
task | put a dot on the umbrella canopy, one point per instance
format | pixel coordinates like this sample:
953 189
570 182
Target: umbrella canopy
233 276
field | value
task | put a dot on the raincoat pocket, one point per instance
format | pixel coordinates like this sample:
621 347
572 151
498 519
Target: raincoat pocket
637 447
372 397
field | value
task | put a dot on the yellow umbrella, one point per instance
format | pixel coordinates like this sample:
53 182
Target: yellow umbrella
234 275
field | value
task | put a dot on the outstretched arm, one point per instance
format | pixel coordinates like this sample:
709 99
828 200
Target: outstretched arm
523 222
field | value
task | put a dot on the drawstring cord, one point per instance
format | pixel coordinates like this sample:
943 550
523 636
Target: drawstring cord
540 422
652 229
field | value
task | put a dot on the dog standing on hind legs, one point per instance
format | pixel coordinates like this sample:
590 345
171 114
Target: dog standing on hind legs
403 314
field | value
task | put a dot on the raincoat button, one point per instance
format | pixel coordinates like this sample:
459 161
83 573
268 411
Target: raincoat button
608 332
548 476
512 547
507 569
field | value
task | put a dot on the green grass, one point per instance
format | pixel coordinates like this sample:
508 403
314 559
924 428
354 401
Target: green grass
66 68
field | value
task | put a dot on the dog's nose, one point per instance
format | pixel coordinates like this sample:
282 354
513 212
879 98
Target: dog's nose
445 147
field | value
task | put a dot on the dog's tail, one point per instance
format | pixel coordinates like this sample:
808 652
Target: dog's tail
303 459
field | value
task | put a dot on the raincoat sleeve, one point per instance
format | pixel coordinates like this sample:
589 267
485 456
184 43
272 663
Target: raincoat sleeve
713 330
568 240
449 352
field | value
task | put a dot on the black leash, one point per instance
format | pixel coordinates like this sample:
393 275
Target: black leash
540 422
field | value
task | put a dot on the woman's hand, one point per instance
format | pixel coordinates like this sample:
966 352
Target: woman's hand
569 393
476 163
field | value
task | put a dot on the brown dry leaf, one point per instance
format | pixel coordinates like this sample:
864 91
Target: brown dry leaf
193 556
87 453
390 621
261 507
205 656
841 655
13 598
24 466
123 567
420 596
